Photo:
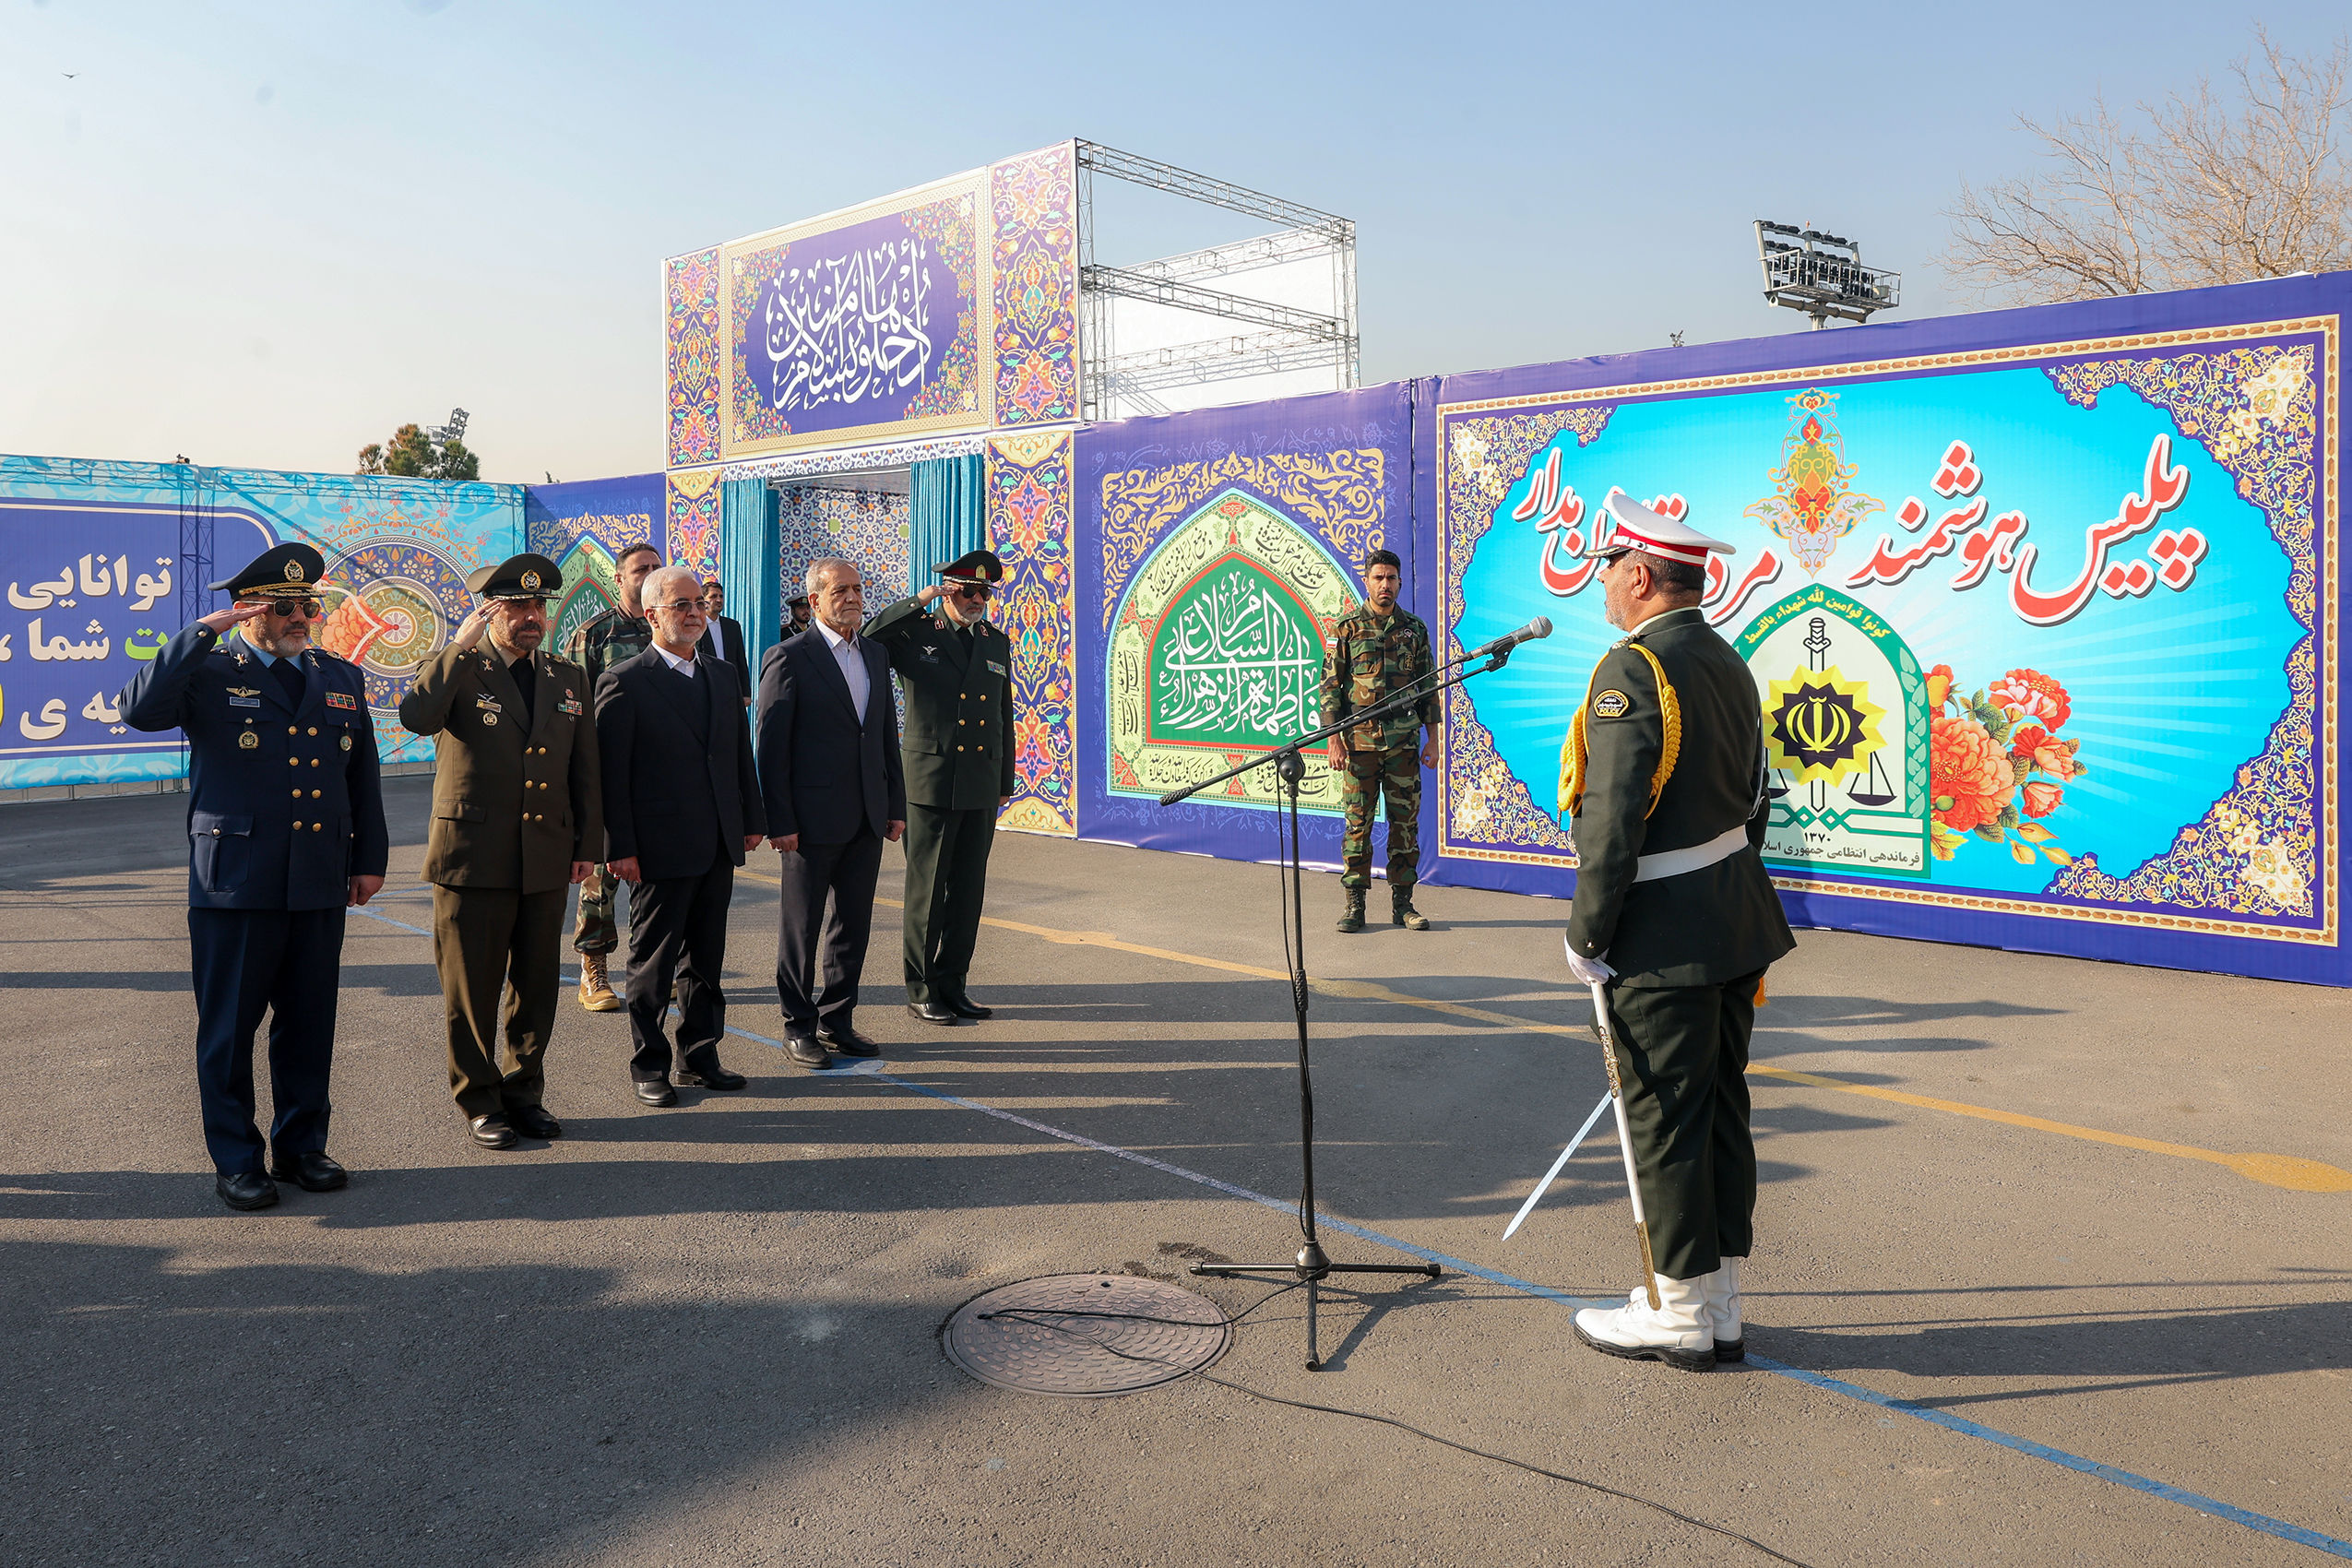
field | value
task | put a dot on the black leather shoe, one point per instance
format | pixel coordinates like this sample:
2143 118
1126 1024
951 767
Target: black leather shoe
246 1190
804 1050
492 1132
533 1122
314 1172
848 1042
931 1012
655 1091
965 1007
712 1077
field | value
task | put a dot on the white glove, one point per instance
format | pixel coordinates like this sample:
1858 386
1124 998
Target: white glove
1589 971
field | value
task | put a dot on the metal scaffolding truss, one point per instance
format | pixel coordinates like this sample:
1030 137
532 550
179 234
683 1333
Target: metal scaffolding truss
1286 338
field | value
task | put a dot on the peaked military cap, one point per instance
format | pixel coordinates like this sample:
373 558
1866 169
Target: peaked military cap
282 566
798 601
1632 525
526 576
977 566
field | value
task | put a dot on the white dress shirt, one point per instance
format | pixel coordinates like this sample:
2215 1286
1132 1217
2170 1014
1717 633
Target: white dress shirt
852 661
683 666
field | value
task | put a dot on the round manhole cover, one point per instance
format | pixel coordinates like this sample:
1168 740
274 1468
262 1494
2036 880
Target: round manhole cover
1085 1334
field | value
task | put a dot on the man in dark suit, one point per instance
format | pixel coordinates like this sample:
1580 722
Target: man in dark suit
724 639
682 807
517 818
286 828
829 767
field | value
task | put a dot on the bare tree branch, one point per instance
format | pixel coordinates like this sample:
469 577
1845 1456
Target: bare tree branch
2201 191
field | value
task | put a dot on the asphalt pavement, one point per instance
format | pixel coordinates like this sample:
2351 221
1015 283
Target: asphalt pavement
2017 1296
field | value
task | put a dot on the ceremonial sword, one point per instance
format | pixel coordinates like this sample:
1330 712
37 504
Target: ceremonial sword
1625 1141
1545 1185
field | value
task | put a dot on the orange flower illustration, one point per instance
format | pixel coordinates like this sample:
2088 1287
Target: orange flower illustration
2041 797
1968 773
1939 687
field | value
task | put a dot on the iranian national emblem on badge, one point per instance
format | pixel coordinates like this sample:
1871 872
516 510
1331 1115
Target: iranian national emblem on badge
248 740
347 743
1611 704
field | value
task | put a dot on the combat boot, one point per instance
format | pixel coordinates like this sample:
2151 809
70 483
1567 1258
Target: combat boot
1723 1311
1400 908
1353 920
596 991
1679 1331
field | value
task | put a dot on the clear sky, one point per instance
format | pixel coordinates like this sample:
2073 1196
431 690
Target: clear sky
265 234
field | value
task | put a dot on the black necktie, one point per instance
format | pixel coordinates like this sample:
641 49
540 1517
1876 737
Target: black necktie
525 682
289 681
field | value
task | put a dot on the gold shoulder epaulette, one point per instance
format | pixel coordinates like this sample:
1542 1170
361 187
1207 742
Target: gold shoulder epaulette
1575 751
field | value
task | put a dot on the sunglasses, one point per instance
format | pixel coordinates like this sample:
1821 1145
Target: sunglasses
970 590
283 608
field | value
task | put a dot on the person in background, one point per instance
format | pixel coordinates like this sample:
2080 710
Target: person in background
1376 651
681 808
286 831
830 769
799 605
517 818
725 637
600 641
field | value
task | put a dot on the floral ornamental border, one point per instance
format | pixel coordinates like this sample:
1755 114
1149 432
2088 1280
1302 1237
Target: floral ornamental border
691 290
2306 672
2254 851
1337 495
1480 802
1031 491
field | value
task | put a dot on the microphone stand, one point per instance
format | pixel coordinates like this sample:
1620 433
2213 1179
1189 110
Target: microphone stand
1313 1265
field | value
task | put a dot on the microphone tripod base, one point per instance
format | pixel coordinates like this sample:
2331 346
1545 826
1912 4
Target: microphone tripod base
1311 1268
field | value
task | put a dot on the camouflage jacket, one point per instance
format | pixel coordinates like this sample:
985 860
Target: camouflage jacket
603 641
1366 660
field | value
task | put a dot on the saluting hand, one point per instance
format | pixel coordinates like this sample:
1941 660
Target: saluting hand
470 629
221 620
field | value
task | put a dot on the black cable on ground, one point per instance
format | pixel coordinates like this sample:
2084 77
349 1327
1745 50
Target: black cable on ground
1031 1314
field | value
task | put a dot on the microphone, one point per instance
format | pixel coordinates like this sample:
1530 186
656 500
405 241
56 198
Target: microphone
1539 627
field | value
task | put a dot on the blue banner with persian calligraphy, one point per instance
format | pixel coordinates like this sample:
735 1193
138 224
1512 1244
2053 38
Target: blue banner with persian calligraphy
2042 630
104 562
870 323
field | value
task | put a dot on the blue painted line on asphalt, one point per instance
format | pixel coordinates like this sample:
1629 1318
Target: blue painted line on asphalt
2198 1501
2210 1506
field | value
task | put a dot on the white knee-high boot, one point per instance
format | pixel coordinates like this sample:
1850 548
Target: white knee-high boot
1678 1332
1723 1311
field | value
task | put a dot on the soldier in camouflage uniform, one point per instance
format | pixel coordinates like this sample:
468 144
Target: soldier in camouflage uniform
1375 651
620 633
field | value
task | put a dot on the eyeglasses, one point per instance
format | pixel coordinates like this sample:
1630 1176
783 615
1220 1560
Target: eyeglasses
283 608
680 606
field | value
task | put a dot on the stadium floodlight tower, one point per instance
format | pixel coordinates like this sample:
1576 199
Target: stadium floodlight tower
1821 275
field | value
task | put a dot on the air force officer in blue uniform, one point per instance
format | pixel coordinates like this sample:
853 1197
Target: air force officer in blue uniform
286 827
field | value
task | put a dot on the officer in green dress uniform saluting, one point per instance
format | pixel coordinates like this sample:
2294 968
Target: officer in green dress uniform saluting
955 671
1675 922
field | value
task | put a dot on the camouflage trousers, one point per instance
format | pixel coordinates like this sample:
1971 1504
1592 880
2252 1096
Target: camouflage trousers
1397 774
599 931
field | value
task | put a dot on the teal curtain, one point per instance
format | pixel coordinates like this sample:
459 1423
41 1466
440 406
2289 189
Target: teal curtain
948 516
749 552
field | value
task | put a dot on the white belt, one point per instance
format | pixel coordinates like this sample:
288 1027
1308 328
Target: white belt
1674 862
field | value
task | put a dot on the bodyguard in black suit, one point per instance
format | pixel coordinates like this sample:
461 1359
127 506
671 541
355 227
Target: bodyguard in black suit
682 806
286 826
830 773
724 638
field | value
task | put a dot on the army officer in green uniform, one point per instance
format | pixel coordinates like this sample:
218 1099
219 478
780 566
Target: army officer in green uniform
955 671
516 820
1676 922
